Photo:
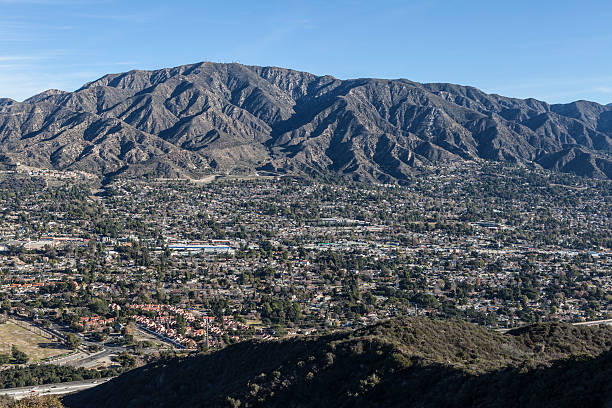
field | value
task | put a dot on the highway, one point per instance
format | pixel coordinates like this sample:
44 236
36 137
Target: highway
591 323
52 389
594 322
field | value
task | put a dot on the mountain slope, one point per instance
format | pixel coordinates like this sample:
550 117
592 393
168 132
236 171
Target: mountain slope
211 118
402 362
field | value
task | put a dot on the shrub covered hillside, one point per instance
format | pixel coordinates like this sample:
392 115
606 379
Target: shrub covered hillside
401 362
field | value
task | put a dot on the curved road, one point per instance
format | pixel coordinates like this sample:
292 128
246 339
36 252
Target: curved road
53 389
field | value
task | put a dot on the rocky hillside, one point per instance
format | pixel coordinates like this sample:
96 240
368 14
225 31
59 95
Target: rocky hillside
403 362
208 118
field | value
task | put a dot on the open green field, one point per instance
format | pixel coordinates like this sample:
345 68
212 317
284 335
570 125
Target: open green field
34 345
254 322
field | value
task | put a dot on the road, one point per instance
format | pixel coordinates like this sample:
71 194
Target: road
591 323
53 389
94 360
594 322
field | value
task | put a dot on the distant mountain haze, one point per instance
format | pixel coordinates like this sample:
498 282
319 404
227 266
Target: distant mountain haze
211 118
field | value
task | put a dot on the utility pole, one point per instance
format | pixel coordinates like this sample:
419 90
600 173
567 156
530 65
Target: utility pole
206 332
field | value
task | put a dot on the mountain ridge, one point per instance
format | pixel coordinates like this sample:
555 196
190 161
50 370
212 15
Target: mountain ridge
399 362
205 118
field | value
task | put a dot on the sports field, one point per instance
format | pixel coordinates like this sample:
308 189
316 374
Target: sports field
34 345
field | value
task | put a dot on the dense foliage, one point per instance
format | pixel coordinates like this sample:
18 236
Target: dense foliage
32 402
47 374
400 362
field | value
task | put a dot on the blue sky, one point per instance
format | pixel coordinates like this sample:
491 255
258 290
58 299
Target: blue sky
558 51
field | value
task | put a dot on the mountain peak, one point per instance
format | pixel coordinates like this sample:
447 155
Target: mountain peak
44 95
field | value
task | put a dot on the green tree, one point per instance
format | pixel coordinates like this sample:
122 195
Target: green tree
72 341
18 356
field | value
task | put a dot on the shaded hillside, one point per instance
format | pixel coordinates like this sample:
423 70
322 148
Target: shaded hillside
402 362
214 118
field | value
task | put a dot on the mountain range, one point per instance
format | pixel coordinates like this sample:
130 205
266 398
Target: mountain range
214 118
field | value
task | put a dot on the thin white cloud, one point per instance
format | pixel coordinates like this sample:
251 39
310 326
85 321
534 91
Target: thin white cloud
19 32
12 58
53 2
604 89
132 18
